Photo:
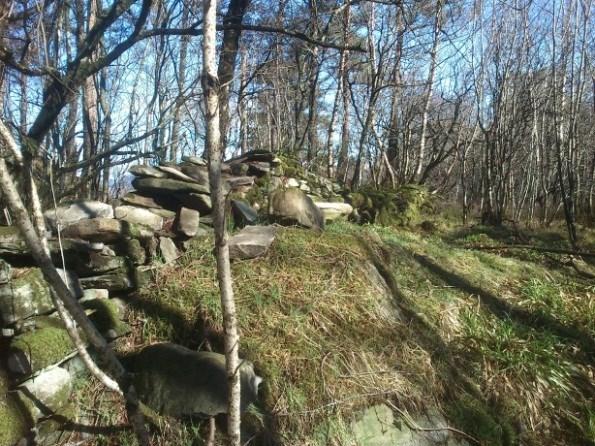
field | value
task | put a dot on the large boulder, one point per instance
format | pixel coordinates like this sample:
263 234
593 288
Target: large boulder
80 210
251 242
140 216
167 185
176 381
106 230
293 206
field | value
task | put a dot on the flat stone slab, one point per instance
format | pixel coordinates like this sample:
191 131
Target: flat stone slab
140 216
106 230
195 160
151 201
81 210
200 202
377 427
251 242
146 171
165 185
176 173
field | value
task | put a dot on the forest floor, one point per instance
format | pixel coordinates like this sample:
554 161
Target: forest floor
501 341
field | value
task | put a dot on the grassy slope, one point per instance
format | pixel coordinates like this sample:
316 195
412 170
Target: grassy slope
499 344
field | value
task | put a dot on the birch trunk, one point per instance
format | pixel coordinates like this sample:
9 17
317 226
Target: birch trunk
210 84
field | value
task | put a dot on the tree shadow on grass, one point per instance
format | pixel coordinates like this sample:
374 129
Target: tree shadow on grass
505 310
463 401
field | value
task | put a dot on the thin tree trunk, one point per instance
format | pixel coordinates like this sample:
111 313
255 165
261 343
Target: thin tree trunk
64 300
213 139
429 90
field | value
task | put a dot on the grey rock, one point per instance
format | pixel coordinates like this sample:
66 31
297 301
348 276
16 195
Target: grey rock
179 382
28 294
255 155
133 250
200 174
140 216
378 427
199 202
187 222
243 214
115 280
251 242
153 201
146 171
47 393
168 249
176 173
106 230
80 210
94 293
334 211
239 169
165 185
11 242
292 206
5 272
195 160
292 182
47 345
258 168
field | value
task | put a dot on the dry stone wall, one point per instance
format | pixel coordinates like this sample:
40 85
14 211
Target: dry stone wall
108 250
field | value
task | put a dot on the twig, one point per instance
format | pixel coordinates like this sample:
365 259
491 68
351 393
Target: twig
412 425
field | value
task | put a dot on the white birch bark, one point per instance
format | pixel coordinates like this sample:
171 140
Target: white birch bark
210 84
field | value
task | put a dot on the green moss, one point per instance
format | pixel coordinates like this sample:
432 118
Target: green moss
401 207
474 418
45 346
106 317
13 424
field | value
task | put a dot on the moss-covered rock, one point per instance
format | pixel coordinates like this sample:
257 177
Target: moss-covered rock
13 423
473 417
107 317
47 345
27 294
401 207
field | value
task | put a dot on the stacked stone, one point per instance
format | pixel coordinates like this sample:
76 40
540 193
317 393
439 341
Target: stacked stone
108 250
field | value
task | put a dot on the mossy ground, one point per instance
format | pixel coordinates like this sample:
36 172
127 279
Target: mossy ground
498 341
